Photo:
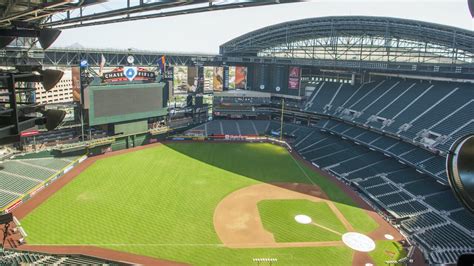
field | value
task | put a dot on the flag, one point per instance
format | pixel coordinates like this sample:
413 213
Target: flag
101 64
162 63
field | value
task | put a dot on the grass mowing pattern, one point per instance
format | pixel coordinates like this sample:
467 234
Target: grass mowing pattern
160 202
278 217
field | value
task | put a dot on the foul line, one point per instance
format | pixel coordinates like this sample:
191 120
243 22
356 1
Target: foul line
328 229
335 210
131 244
302 170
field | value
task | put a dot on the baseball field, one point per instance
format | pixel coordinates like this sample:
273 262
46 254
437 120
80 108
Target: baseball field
209 204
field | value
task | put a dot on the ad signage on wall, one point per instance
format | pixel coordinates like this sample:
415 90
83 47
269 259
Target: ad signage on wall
218 79
76 84
240 77
124 74
226 78
294 78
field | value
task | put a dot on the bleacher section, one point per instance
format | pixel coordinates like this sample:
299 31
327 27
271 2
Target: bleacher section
396 176
18 176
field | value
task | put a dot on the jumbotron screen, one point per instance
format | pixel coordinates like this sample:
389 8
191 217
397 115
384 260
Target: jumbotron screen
118 103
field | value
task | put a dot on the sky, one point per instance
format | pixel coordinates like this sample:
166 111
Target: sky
204 32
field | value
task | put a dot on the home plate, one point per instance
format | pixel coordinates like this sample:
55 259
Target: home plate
303 219
389 237
358 242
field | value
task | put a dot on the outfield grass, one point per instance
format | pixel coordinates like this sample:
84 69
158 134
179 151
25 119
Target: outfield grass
278 217
160 202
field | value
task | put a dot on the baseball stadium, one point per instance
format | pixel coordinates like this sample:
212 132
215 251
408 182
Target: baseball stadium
334 140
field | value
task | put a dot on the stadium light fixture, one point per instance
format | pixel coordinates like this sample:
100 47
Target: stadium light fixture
52 118
5 40
46 36
51 77
48 77
5 219
460 170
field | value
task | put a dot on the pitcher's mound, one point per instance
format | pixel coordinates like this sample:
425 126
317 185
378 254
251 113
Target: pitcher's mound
303 219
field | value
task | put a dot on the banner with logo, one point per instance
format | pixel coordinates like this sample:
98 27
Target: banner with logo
76 84
218 79
200 80
128 73
192 78
240 77
294 78
226 84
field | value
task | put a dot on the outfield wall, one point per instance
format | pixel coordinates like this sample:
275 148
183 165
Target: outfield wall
235 138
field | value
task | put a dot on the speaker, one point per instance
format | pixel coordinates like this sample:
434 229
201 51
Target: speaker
460 170
470 3
51 77
47 37
6 218
5 40
53 118
466 260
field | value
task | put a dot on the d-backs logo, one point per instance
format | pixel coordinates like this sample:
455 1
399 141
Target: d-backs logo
122 74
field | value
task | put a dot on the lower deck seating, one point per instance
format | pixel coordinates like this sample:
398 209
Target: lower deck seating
19 176
446 237
464 218
444 201
33 258
415 156
422 221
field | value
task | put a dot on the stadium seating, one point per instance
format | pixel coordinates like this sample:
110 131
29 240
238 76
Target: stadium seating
33 258
416 156
18 176
423 221
445 237
463 217
432 113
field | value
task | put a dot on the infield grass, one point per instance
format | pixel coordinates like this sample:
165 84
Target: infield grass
160 202
278 217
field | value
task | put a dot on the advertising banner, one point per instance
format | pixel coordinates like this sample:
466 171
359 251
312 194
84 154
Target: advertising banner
200 80
76 84
192 78
226 84
218 80
240 77
294 78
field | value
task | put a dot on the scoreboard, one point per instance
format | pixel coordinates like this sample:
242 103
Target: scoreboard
114 103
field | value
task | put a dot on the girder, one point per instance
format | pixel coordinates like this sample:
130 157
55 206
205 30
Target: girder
358 38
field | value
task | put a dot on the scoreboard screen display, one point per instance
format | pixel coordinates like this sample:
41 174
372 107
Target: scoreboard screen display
119 103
